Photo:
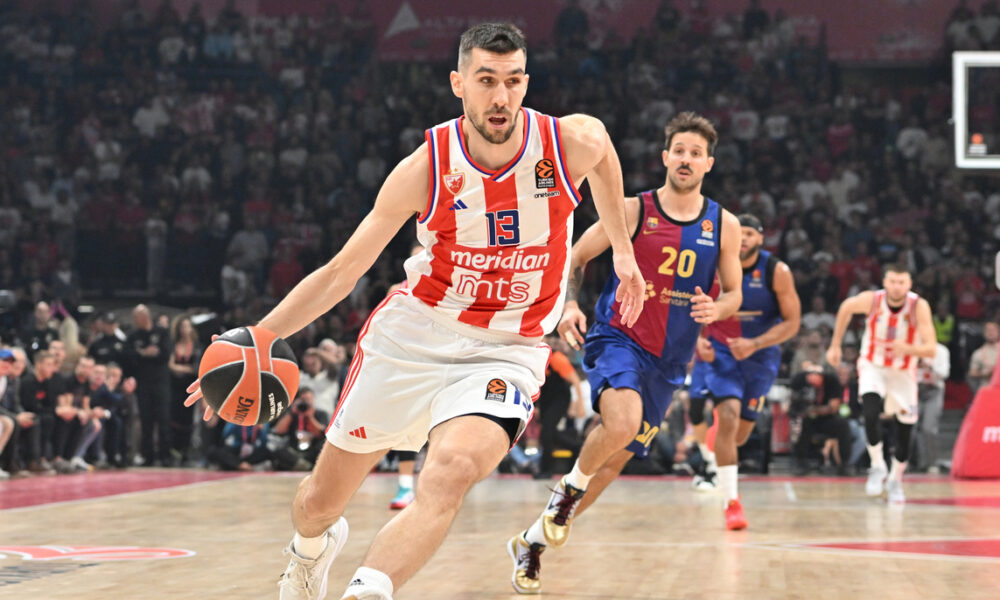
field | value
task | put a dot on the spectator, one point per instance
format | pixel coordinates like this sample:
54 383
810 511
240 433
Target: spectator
36 414
817 396
69 335
148 349
121 443
818 316
301 428
183 364
316 377
944 323
243 448
984 359
810 350
109 345
8 418
39 334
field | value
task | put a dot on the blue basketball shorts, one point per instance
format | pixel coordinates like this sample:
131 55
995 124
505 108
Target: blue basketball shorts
746 380
612 360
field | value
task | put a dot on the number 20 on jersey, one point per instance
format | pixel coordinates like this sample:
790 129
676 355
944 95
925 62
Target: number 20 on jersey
685 264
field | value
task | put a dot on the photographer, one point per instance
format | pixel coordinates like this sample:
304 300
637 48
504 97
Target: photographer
300 432
816 398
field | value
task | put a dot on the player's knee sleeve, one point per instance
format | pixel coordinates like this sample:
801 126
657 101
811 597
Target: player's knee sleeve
871 408
696 410
904 432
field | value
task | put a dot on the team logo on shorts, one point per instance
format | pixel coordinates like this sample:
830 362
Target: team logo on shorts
545 172
496 390
454 181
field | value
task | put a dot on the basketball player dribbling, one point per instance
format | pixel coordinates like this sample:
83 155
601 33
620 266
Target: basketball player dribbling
454 359
898 332
681 238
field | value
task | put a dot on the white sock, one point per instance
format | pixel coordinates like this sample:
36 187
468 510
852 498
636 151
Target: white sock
875 454
727 482
367 582
576 478
406 481
535 534
309 547
709 457
897 469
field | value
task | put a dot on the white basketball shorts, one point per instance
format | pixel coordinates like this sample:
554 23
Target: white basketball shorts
897 387
414 369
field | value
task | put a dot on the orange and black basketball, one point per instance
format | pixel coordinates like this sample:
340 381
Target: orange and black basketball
249 375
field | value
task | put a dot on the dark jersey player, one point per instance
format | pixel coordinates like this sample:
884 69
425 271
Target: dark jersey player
745 358
680 239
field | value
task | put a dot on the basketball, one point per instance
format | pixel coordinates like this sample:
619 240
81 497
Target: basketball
249 375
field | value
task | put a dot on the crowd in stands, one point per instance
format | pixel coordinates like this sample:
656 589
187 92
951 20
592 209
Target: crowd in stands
171 153
117 400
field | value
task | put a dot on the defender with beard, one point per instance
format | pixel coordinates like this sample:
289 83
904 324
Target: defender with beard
745 358
680 239
898 332
456 358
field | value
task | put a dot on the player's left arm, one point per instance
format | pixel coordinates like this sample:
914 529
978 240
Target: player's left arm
704 309
925 331
590 155
791 312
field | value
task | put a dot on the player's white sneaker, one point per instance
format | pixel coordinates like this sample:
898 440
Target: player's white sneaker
705 484
876 478
305 579
894 488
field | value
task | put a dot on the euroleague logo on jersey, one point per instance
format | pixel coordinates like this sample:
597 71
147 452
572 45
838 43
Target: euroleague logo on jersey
545 171
707 229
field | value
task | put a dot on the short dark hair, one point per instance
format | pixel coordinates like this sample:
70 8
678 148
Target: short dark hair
897 267
692 122
501 38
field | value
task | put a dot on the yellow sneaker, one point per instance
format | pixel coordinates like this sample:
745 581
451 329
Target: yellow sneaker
527 565
558 515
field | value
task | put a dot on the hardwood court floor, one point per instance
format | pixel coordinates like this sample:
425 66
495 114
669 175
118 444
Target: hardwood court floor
645 538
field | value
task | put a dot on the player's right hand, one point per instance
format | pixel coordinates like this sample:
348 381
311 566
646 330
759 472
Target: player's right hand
631 292
833 355
573 325
194 391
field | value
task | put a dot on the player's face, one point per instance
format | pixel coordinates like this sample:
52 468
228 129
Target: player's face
750 242
897 286
687 161
492 87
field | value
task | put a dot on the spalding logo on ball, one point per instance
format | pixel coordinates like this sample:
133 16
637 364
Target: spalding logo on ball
248 375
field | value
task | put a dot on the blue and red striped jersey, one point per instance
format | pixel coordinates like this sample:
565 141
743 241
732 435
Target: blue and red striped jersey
675 257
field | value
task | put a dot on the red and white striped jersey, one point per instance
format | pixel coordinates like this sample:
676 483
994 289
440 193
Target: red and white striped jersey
496 242
883 326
